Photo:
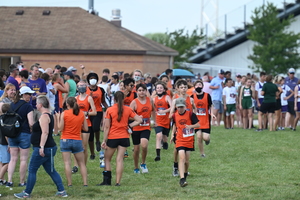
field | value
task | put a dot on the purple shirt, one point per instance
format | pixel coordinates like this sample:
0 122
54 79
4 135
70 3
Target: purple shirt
38 85
13 81
291 83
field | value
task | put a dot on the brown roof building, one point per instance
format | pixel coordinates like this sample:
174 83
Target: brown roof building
70 36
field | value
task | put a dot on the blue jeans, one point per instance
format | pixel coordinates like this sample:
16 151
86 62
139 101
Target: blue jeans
48 163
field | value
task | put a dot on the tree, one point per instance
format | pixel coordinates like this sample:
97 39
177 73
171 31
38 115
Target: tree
275 49
179 40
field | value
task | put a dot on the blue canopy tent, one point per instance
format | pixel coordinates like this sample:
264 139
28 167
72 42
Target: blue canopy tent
181 72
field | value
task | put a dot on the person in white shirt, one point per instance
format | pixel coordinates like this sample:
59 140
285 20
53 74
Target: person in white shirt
284 103
229 99
206 85
114 87
259 99
106 88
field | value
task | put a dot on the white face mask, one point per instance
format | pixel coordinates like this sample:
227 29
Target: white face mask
93 81
137 78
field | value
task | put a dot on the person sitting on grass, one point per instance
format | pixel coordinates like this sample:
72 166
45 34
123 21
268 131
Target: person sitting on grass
229 99
183 136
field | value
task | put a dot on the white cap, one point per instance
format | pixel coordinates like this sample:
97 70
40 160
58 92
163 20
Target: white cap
292 70
72 69
42 70
26 89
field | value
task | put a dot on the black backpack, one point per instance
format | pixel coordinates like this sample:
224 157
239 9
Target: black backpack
10 122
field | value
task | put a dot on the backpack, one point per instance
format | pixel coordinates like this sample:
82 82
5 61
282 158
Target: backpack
10 123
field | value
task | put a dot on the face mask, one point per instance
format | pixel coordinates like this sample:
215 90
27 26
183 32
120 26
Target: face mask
198 89
160 95
81 89
93 81
137 78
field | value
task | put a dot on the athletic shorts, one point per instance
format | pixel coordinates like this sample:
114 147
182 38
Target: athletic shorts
4 155
278 104
260 101
298 106
96 121
218 105
163 130
89 130
291 107
203 130
73 146
268 107
247 103
22 141
185 149
138 135
114 143
230 109
284 109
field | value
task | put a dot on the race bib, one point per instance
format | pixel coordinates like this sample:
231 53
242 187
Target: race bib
188 132
146 122
161 113
247 93
201 111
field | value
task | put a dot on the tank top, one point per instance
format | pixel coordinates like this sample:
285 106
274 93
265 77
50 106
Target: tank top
129 98
162 119
144 110
72 88
72 125
202 111
85 106
97 97
184 137
37 133
247 93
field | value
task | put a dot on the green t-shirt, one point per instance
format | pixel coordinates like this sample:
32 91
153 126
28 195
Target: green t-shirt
72 90
270 90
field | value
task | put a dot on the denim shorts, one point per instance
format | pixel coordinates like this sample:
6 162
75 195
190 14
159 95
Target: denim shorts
73 146
4 155
218 106
22 141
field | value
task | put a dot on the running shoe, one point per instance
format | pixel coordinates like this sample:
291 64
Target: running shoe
203 155
207 142
74 170
92 157
9 184
183 182
61 194
98 146
157 158
3 182
258 130
117 184
102 163
175 171
22 184
144 168
22 195
136 171
126 154
165 145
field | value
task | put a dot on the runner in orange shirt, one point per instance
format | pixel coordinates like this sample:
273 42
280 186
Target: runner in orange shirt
116 136
162 103
143 106
183 136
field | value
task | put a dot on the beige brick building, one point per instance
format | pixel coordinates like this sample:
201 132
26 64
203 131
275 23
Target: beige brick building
71 36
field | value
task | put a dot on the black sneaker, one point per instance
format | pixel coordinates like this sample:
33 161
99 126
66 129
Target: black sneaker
74 170
165 145
98 146
92 157
207 142
258 130
293 129
183 182
157 158
117 184
3 182
9 184
22 184
126 154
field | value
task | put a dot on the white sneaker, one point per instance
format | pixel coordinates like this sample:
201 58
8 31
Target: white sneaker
144 168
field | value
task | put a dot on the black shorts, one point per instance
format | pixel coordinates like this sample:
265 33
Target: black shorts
96 121
165 131
278 104
185 149
138 135
291 108
114 143
89 130
268 107
203 130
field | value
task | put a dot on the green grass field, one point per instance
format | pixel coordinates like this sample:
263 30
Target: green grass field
239 164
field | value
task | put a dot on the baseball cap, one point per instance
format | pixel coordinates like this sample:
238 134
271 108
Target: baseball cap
180 102
238 75
72 69
292 71
42 70
221 71
26 89
57 67
69 73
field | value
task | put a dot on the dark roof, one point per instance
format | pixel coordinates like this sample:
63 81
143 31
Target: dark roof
69 30
239 37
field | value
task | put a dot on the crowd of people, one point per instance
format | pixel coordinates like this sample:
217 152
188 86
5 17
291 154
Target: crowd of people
60 102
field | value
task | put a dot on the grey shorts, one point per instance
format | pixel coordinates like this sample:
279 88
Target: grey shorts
218 105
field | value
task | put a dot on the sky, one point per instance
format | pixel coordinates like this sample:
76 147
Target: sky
145 16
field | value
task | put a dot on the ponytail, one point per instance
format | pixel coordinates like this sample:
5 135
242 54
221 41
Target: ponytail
119 97
71 101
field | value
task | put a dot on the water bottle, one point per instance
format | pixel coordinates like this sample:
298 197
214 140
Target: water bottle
17 124
101 156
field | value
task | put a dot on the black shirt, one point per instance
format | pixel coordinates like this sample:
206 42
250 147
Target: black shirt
23 112
37 133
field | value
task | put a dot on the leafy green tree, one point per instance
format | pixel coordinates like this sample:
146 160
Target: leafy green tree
275 49
179 40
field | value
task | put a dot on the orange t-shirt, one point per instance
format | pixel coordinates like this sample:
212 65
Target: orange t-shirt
85 106
97 97
190 91
117 129
162 104
129 99
184 137
72 125
202 111
144 110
